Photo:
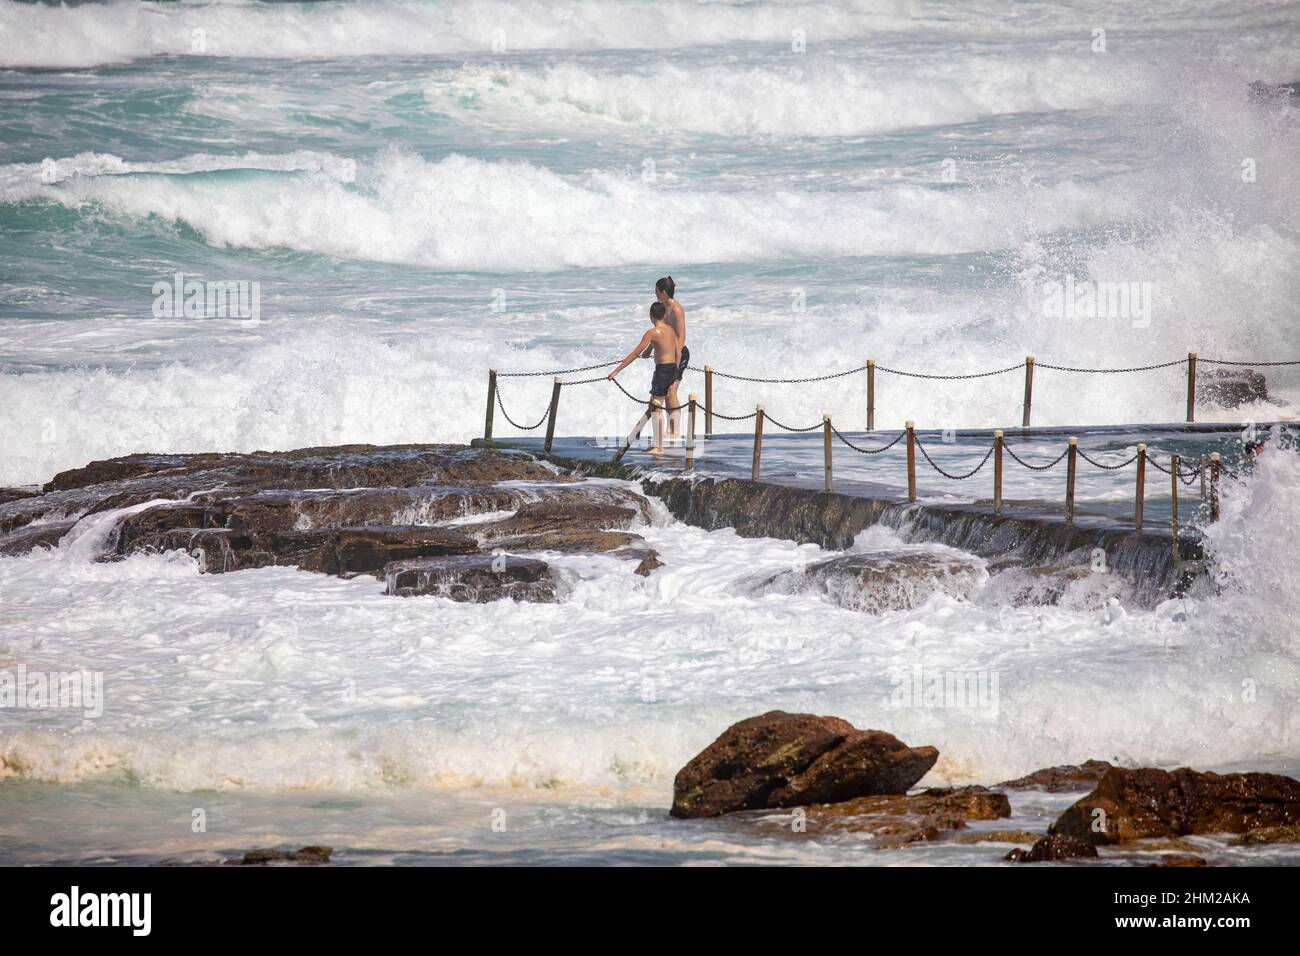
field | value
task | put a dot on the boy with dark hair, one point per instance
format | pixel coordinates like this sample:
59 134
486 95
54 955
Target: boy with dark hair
663 340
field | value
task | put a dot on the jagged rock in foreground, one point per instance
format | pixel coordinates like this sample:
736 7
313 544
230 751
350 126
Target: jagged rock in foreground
1138 804
882 581
787 760
349 510
1060 779
476 578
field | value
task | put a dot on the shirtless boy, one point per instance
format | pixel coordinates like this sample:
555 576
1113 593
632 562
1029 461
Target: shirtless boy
663 340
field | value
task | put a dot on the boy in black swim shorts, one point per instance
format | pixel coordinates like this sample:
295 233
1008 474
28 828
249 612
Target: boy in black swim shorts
663 340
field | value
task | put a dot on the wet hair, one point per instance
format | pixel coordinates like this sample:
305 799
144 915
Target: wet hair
658 310
666 285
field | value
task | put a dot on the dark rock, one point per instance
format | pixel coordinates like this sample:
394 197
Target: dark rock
1230 387
31 537
372 549
309 855
787 760
882 581
113 469
1054 846
477 578
1180 860
572 526
1142 803
649 564
325 550
1061 779
15 494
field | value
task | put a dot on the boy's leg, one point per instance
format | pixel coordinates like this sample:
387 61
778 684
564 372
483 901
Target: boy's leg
657 414
674 417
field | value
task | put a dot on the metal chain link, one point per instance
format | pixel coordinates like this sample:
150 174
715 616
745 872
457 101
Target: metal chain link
1112 371
1001 371
926 455
526 428
646 402
1051 464
1205 361
1181 474
556 371
1097 464
769 418
867 451
587 381
789 381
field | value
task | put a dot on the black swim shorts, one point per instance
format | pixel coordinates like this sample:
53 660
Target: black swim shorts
684 364
665 375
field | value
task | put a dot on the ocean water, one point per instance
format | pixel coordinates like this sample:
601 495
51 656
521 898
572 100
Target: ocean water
425 190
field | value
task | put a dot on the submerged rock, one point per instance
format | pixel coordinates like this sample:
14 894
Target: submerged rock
901 819
786 760
310 855
1136 804
1265 835
475 578
883 581
1054 846
32 537
1060 779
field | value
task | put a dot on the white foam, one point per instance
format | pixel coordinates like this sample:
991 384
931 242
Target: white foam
122 30
833 95
460 213
277 679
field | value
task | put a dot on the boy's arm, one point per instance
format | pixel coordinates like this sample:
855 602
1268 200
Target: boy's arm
646 342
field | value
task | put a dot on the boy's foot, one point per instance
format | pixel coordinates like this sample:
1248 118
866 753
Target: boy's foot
655 451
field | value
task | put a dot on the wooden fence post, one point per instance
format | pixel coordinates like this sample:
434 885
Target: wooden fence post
911 462
1139 506
1173 469
871 395
491 405
758 440
1029 389
708 401
1069 479
826 441
555 407
997 473
690 434
1191 386
1214 486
